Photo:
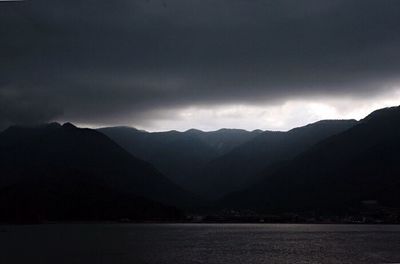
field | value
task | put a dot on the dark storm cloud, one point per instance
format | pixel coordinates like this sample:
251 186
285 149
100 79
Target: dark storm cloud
98 61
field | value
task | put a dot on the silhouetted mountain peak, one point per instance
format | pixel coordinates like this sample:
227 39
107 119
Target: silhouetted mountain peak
169 132
334 121
326 122
193 131
389 114
69 125
231 130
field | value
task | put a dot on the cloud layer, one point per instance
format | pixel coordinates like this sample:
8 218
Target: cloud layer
146 62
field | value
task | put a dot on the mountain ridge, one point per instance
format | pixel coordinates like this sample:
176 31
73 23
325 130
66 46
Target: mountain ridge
57 155
178 154
241 166
340 172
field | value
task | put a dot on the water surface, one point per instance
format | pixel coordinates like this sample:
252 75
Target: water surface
199 243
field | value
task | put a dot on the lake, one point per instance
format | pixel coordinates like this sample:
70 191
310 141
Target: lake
199 243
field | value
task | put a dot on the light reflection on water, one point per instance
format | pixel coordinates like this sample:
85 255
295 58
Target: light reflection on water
196 243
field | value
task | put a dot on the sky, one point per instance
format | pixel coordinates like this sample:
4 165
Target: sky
206 64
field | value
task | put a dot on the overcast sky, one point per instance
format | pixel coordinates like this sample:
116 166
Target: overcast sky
207 64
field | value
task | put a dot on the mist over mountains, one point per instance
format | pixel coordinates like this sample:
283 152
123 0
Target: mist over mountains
61 172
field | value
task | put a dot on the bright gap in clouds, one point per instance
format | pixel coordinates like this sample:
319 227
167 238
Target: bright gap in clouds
290 114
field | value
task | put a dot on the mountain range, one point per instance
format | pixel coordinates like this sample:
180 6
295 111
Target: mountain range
179 155
241 167
215 163
361 164
62 172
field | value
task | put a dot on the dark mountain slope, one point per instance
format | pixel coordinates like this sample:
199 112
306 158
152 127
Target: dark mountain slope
60 156
178 155
241 167
52 200
174 153
362 163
